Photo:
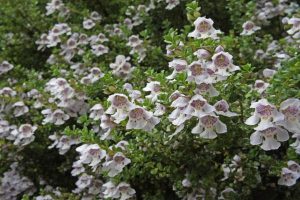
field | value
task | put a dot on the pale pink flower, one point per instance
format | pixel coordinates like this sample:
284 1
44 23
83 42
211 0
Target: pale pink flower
20 108
288 177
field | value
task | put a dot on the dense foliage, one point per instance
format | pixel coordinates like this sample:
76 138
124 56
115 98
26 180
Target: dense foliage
149 99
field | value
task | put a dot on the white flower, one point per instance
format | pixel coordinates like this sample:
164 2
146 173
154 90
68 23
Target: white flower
107 124
115 165
119 107
91 154
111 190
208 88
178 116
291 111
139 118
20 108
154 88
123 191
295 22
202 54
53 6
134 41
260 86
295 167
77 168
222 64
288 177
24 135
269 73
58 117
208 126
198 107
178 66
63 143
270 138
172 4
84 181
126 192
88 24
159 109
5 67
121 67
204 29
222 108
99 49
6 91
197 72
95 16
249 28
96 112
264 114
95 74
4 128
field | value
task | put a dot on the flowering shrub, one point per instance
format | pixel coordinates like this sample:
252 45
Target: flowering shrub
156 99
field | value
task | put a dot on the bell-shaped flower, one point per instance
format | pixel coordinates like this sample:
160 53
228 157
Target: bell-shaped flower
139 118
208 127
291 111
222 64
260 86
198 107
178 66
268 73
222 108
154 88
58 117
206 88
88 24
119 108
99 49
96 112
115 164
126 192
269 138
202 54
172 4
197 72
249 28
264 114
5 67
178 116
24 135
288 177
20 108
295 22
8 92
95 16
91 154
204 29
295 167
